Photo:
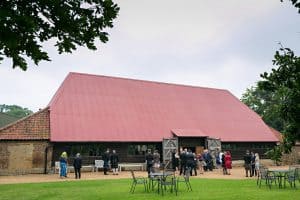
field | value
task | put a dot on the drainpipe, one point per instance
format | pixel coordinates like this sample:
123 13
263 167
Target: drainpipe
46 159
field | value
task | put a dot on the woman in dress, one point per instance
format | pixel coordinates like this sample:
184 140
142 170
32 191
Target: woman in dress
228 162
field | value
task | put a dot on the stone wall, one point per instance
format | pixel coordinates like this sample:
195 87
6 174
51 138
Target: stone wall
23 157
24 145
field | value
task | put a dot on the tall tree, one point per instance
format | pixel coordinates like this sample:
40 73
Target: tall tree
26 24
265 104
295 3
14 110
285 81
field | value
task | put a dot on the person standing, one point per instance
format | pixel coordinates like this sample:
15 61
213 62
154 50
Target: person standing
252 170
257 164
228 162
222 154
175 160
114 161
182 157
156 160
63 164
190 161
77 166
106 158
247 162
149 161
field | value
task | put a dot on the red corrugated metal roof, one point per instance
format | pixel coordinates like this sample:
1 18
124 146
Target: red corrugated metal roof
99 108
189 133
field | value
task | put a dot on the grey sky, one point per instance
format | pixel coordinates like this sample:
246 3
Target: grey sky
222 44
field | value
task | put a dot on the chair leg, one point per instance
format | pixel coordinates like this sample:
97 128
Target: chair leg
131 188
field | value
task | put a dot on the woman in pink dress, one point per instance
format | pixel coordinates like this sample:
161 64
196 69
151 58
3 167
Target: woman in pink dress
228 162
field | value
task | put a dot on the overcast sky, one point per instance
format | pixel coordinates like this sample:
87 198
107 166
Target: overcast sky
221 44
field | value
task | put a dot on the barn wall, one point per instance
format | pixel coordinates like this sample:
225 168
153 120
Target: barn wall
92 151
238 149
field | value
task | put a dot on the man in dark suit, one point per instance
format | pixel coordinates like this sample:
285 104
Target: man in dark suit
247 162
106 158
77 166
149 161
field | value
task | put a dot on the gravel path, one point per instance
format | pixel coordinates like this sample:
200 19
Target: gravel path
236 173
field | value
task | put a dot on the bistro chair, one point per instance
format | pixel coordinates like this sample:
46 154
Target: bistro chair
167 182
291 177
137 180
265 175
185 178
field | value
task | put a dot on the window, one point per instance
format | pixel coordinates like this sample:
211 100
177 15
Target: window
140 149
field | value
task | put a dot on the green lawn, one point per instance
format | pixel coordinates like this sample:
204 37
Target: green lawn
119 189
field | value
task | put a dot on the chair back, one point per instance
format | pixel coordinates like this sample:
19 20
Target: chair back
263 172
132 174
99 163
292 173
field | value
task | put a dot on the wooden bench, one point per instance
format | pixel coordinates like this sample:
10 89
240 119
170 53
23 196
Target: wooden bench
131 165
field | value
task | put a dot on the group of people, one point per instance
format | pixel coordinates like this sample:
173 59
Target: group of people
152 161
187 160
77 163
111 160
224 161
181 161
251 163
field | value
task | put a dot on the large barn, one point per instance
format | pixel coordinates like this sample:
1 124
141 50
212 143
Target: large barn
90 113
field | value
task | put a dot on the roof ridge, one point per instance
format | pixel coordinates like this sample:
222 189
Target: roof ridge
147 81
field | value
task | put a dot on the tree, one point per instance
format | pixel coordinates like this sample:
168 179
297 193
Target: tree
25 25
285 81
14 110
295 3
265 104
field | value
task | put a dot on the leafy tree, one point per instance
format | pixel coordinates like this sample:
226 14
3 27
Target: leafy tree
265 104
14 110
275 154
295 3
26 24
285 81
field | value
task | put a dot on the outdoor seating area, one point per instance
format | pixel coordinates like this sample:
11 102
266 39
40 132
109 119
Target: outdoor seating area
279 177
161 181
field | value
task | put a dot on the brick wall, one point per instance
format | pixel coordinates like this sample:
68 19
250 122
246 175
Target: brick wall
23 157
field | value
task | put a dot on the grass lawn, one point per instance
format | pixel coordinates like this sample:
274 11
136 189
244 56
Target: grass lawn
119 189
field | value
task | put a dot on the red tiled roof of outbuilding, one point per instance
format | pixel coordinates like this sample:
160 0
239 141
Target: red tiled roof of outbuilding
99 108
32 127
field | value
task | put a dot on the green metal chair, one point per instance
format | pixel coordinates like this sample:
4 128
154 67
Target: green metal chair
136 181
185 179
291 177
167 182
265 175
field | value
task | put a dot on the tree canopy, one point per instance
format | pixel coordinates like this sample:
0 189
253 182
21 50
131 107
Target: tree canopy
25 25
265 104
15 110
295 3
285 81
